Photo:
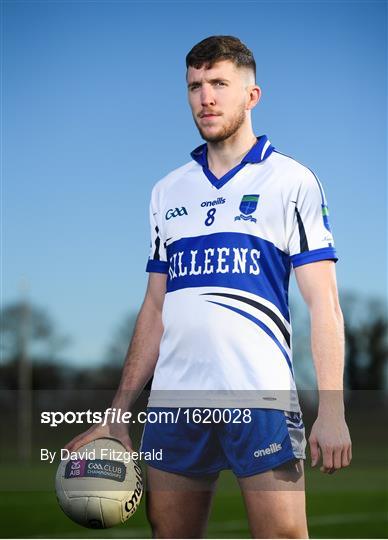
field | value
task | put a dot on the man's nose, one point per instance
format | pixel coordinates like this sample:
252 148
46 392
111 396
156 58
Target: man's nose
207 95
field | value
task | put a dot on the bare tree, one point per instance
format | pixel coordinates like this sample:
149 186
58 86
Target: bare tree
26 325
27 334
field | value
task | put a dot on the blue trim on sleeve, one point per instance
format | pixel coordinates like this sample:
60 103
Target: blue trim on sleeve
161 267
314 255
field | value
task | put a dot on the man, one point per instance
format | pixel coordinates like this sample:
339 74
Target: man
214 328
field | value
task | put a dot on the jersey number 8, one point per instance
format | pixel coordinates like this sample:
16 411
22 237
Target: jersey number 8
210 217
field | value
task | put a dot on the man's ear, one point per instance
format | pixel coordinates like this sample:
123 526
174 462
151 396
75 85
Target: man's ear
254 95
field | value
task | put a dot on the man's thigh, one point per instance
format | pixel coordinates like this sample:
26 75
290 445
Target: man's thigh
275 502
178 506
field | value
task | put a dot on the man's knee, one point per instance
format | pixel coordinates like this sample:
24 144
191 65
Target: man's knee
291 529
286 527
163 527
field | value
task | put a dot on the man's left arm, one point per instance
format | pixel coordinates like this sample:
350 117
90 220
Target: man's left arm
329 436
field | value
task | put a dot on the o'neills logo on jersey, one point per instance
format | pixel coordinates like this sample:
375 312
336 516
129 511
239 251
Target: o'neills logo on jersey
220 200
219 260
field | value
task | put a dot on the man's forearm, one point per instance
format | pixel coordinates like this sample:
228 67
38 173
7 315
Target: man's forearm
327 344
141 357
329 438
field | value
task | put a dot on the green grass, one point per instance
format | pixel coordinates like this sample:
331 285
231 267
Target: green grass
351 504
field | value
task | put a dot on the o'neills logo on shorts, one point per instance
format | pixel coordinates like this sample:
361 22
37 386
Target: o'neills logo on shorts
272 449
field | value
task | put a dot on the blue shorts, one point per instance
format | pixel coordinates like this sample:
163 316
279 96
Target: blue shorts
207 442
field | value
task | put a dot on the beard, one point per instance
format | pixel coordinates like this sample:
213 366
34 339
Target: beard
226 131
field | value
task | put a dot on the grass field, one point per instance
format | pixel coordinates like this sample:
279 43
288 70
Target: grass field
351 504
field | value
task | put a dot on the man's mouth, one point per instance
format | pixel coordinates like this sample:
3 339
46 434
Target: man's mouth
209 115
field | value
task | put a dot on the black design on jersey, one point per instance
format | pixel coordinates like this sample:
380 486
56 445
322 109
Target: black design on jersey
302 233
156 256
261 307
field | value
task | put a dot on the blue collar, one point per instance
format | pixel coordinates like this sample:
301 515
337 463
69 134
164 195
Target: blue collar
259 152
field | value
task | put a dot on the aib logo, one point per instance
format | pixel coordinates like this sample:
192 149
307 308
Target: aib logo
175 212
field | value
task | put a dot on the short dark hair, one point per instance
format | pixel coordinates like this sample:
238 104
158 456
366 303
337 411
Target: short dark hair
216 48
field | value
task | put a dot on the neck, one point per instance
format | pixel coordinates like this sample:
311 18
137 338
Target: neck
223 156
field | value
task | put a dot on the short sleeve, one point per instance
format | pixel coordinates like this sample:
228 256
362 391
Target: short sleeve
311 238
157 260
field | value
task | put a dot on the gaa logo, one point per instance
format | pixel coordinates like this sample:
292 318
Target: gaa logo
175 212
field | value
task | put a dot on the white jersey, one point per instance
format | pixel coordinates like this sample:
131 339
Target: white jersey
227 246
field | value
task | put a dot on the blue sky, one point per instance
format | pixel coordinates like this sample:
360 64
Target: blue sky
94 112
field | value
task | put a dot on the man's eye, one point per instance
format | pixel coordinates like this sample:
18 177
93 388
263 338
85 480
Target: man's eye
194 87
220 83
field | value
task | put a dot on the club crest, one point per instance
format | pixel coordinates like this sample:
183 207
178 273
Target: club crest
247 206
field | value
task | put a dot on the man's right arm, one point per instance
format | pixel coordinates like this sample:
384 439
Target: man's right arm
139 365
143 350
